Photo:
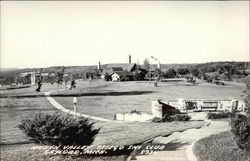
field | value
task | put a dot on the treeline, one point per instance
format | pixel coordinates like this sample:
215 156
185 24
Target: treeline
229 69
54 74
212 70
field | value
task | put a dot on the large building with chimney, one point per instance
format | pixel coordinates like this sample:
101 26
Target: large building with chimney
118 71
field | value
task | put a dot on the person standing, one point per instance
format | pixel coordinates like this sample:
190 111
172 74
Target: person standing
39 83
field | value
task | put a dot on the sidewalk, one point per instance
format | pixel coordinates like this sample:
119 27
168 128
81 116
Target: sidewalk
185 140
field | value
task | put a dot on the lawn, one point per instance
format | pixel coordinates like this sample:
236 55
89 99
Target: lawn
134 133
16 146
12 111
110 134
24 153
219 147
105 99
30 91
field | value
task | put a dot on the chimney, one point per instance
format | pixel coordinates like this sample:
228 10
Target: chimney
129 59
99 66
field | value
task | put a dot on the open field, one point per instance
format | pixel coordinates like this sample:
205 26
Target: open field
31 91
12 111
110 134
219 147
105 99
16 146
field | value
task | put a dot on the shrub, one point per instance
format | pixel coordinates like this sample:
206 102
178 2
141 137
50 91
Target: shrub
58 130
191 80
240 124
177 117
107 77
183 71
241 130
180 117
209 80
218 115
170 73
156 120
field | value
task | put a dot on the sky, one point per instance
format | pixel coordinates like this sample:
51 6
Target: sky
57 33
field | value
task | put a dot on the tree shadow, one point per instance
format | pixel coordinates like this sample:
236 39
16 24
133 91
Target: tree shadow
174 145
82 94
104 94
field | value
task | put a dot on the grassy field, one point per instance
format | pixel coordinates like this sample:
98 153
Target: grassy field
31 91
24 153
110 134
16 146
220 147
12 111
105 99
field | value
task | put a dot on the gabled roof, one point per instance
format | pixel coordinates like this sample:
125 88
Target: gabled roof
119 73
124 66
107 70
117 69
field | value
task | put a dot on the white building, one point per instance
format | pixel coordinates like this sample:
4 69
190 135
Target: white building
115 77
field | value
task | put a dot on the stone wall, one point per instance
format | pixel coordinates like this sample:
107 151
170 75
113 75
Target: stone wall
200 105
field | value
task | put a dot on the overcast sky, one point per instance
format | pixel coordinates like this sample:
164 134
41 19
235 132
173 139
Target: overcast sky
52 33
